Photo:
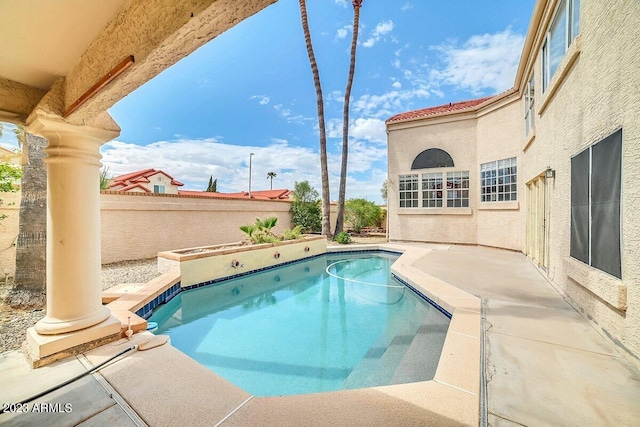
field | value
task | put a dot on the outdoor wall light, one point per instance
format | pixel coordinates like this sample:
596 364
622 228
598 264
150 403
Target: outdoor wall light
550 173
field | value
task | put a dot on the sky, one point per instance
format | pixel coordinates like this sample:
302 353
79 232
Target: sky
250 90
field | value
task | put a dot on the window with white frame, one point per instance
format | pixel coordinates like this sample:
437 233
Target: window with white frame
431 190
458 189
158 189
408 191
529 101
564 28
434 194
498 181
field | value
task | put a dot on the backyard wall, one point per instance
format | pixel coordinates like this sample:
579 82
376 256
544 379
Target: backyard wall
8 232
138 226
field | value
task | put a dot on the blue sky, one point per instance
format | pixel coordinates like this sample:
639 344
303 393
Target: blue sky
251 90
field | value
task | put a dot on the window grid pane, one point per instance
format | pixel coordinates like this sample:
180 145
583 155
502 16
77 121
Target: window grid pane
408 191
458 189
432 190
498 181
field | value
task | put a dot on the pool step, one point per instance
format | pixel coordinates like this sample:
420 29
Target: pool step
412 355
380 362
421 358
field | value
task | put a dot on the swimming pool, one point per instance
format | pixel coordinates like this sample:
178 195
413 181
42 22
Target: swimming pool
328 323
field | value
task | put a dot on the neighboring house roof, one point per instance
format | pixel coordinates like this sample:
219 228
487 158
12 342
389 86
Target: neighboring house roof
9 156
139 177
283 194
441 109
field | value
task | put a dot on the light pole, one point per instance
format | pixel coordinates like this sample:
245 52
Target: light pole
250 156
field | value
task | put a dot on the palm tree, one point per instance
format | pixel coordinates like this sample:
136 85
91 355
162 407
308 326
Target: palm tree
326 198
30 279
345 118
271 175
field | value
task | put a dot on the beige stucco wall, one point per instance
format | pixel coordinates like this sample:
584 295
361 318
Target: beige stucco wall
458 138
599 94
162 179
139 226
594 92
500 135
8 232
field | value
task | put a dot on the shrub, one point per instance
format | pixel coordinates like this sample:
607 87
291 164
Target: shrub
305 209
293 234
362 213
260 232
343 238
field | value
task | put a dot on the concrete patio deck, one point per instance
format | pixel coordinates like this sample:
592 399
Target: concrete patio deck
545 366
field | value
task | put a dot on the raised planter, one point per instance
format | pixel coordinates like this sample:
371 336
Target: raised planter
211 263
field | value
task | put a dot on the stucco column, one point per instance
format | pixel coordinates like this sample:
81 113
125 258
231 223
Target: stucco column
73 226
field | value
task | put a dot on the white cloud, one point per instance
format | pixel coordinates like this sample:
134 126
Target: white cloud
383 28
341 33
262 99
486 61
289 117
361 129
406 6
342 3
194 161
396 85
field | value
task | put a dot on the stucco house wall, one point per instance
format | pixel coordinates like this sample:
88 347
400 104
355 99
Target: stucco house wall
162 179
499 134
458 138
594 92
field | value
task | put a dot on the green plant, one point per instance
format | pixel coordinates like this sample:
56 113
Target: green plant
9 174
293 234
362 213
104 178
260 232
343 238
305 209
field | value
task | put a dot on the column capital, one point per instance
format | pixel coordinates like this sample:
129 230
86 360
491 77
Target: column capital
54 128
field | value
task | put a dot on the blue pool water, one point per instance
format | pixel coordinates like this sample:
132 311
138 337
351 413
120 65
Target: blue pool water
329 323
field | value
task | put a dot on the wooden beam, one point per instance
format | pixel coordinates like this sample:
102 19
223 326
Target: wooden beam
105 80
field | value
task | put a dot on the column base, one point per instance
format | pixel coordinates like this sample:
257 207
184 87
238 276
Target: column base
44 349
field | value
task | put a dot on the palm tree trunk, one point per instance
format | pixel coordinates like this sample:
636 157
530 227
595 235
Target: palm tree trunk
30 279
326 197
345 119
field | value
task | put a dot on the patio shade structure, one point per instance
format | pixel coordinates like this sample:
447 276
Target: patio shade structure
62 65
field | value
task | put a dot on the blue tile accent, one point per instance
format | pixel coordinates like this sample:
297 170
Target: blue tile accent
146 311
423 296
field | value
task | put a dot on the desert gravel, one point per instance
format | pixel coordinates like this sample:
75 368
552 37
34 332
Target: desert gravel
14 322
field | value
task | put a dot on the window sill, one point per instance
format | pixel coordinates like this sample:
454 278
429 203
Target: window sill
435 211
570 57
608 288
499 206
529 138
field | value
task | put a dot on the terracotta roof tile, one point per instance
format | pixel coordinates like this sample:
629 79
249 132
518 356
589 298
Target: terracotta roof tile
441 109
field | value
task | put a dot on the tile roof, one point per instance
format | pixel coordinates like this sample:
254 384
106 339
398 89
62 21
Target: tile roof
138 177
282 194
441 109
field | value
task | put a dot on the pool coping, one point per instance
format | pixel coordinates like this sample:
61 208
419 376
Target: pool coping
453 393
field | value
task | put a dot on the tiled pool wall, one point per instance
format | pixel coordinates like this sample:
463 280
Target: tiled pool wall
166 296
147 310
424 297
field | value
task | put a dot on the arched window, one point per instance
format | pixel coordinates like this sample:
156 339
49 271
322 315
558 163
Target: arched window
432 158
